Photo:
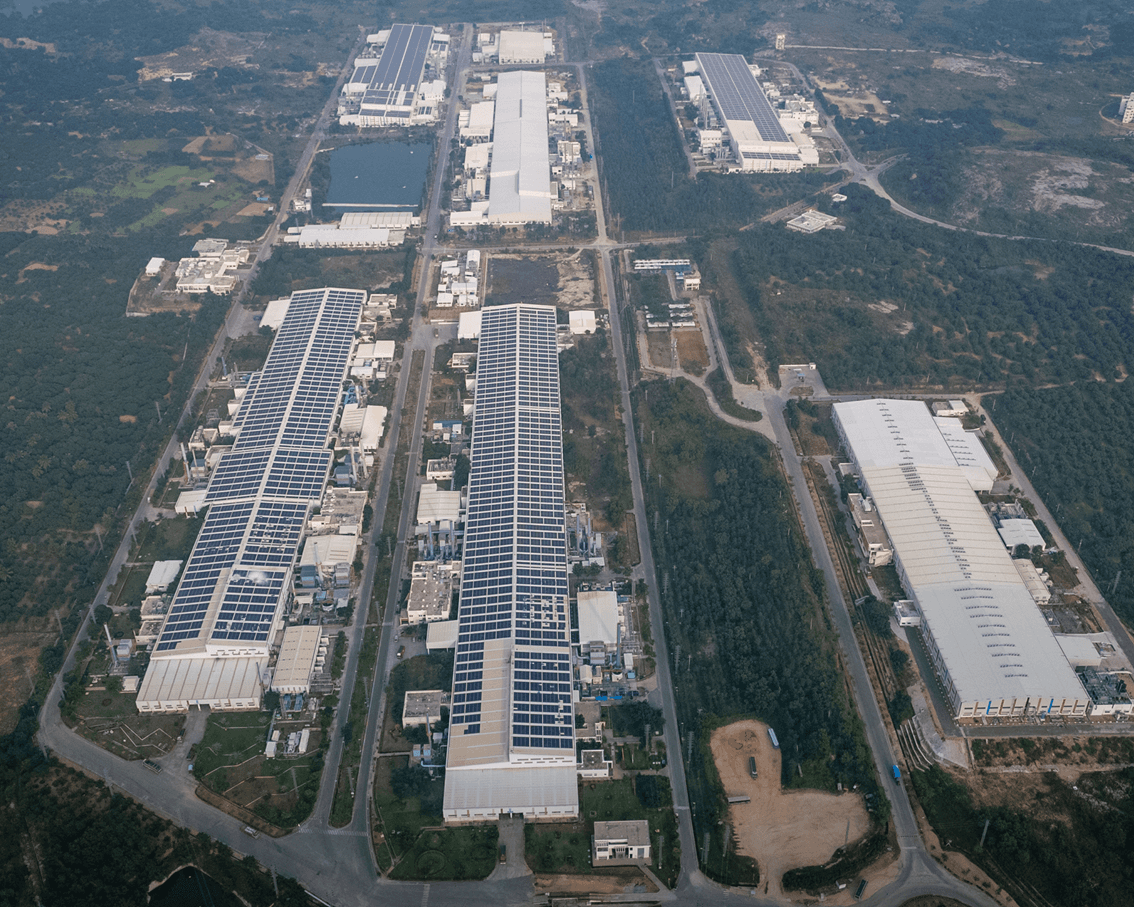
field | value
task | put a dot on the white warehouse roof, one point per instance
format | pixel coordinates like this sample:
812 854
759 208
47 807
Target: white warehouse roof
902 432
519 190
1020 532
598 617
988 640
296 662
435 505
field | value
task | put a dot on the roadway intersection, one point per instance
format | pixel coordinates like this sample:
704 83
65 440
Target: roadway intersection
337 865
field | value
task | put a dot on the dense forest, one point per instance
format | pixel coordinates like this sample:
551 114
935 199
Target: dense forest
1077 856
891 302
82 386
1074 443
645 173
594 449
743 603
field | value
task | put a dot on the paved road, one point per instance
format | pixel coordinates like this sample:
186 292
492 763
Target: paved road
337 865
690 873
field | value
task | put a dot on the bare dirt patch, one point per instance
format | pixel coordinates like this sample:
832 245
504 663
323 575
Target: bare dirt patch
691 352
975 68
780 829
661 349
855 103
19 654
566 281
617 881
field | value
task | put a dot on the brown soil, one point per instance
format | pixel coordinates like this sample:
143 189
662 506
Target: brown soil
19 654
616 881
781 829
691 351
661 349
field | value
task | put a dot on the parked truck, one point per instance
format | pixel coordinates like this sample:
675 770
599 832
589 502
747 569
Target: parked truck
752 766
897 772
774 739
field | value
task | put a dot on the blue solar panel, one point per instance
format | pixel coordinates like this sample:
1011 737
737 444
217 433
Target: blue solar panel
514 568
737 94
262 489
399 67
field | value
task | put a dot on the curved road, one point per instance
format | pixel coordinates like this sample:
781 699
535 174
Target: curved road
337 865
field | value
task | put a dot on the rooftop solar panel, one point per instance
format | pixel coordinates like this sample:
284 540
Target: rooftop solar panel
394 80
738 95
514 569
260 493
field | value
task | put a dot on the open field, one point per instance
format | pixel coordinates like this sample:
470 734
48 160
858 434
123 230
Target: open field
112 721
19 655
781 829
565 280
230 761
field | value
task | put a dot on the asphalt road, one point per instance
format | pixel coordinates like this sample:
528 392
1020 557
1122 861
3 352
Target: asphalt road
337 865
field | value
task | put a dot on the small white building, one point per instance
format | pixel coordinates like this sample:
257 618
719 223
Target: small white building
1020 532
422 708
153 266
1126 109
431 592
582 321
161 576
599 620
621 842
955 408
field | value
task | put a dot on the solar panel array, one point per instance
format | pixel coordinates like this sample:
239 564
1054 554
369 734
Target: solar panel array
261 491
737 94
514 572
393 81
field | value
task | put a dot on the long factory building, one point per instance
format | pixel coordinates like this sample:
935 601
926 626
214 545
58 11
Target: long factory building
991 646
519 183
389 90
757 139
511 739
214 645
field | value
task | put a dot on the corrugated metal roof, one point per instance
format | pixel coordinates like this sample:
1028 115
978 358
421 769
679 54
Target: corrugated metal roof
520 186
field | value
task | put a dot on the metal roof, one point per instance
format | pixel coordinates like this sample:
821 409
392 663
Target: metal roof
512 676
519 188
738 96
903 432
992 639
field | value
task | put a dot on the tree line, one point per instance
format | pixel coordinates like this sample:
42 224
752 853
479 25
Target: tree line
743 603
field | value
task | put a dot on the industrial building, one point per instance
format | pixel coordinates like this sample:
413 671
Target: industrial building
422 708
300 652
524 47
212 271
1126 109
620 842
512 727
430 597
519 185
600 625
757 138
990 645
390 90
215 644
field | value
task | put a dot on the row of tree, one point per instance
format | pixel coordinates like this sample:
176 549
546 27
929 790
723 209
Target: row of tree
743 603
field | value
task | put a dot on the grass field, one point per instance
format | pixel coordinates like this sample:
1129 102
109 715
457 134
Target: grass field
450 854
229 760
141 184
